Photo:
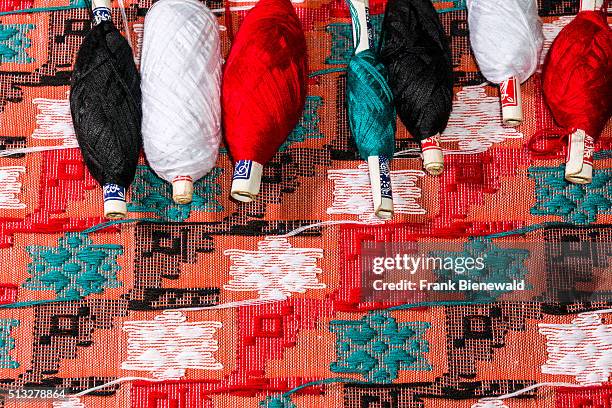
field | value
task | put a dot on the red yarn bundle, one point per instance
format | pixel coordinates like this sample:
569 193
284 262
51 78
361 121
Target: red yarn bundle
264 83
577 75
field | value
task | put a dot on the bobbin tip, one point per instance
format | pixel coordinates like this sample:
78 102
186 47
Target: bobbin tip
433 157
246 181
114 201
514 121
384 210
435 169
115 209
182 189
584 177
511 102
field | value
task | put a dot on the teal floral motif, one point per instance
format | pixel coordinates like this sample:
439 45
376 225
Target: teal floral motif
151 194
342 39
309 125
277 401
501 265
13 43
75 268
7 343
576 203
378 347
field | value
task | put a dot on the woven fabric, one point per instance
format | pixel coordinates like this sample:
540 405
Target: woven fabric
83 309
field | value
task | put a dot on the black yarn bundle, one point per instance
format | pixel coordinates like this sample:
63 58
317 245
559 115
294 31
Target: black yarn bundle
417 54
105 102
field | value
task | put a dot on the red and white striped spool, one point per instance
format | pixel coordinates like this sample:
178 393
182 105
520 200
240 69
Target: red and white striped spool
433 158
182 189
511 102
580 146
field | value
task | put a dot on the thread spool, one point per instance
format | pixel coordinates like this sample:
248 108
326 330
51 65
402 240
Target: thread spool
181 93
113 194
579 158
105 108
263 90
416 51
246 181
511 102
580 146
378 155
114 201
378 166
576 82
433 157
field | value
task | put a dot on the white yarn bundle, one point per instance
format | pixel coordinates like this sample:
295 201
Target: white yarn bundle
181 92
506 37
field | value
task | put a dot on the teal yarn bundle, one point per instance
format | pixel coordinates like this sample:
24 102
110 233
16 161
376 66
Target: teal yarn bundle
370 106
369 99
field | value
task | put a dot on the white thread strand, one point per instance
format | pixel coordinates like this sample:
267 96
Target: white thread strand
531 388
117 381
506 36
139 32
181 89
72 402
233 305
53 122
489 404
303 228
501 397
35 149
126 25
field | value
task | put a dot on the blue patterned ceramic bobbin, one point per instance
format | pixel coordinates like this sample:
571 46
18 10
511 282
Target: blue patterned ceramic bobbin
246 181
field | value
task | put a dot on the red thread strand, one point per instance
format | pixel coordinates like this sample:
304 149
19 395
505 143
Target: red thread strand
264 83
577 74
